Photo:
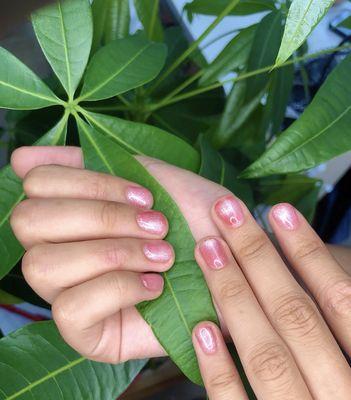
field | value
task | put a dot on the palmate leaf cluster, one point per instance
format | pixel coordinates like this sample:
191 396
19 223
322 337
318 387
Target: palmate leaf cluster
123 95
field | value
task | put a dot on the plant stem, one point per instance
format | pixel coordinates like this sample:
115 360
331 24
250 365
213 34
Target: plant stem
163 103
196 43
124 101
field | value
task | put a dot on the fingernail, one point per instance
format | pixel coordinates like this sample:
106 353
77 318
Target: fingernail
230 212
206 339
213 253
286 216
139 196
153 282
152 222
158 252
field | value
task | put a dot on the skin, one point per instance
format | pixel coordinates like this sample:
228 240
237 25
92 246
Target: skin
84 243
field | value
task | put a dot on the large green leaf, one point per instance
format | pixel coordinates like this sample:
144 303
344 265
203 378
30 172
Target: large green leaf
122 65
148 13
346 23
216 169
20 88
321 133
11 193
215 7
175 313
303 16
232 58
147 140
37 364
64 31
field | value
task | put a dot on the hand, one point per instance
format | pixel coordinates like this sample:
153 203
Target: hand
287 349
86 254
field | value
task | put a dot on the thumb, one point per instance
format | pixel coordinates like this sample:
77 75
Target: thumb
25 159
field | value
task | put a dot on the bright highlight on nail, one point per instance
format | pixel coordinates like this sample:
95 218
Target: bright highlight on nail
286 216
206 339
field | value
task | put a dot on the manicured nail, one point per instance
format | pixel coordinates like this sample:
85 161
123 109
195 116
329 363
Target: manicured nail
152 222
158 252
286 216
206 339
153 282
230 212
213 253
139 197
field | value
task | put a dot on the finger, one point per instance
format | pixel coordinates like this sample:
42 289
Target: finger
218 371
324 277
268 362
53 181
290 310
38 221
88 314
26 158
51 268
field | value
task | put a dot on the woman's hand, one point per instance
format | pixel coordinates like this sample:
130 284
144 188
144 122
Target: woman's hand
287 342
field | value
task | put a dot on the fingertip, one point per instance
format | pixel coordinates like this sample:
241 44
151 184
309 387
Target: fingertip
153 282
284 216
206 337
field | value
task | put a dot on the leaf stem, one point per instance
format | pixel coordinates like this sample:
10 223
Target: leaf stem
196 43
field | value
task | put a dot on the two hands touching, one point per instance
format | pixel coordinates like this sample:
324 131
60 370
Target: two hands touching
95 249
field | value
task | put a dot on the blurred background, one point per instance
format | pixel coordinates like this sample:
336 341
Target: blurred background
162 380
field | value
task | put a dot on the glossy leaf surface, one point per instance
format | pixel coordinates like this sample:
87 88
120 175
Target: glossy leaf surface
64 31
175 313
147 140
303 16
37 364
11 193
122 65
321 133
148 13
20 88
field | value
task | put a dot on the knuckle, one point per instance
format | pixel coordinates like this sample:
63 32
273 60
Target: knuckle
222 381
108 215
308 251
296 315
255 247
115 285
32 181
232 290
270 362
98 187
20 217
337 298
35 268
64 312
114 255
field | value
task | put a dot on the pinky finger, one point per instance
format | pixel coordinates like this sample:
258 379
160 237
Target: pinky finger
218 371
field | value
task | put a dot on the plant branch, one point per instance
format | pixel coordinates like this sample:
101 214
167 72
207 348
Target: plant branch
227 10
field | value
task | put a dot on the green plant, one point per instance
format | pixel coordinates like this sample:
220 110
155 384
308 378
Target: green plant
124 93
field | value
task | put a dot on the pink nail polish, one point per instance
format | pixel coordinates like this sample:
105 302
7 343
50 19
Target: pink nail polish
158 252
139 197
286 216
152 222
213 253
230 212
206 339
153 282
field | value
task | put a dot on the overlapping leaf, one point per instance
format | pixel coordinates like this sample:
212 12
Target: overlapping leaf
11 193
321 133
37 364
174 314
64 31
148 13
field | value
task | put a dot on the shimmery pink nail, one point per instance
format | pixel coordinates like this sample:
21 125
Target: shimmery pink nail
230 212
213 253
152 222
139 196
206 339
158 252
153 282
286 216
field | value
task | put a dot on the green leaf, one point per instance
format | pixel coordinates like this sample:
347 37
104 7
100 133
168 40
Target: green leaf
37 364
148 13
321 133
147 140
303 16
211 7
175 313
64 31
118 20
11 193
346 23
232 58
216 169
7 298
122 65
20 88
